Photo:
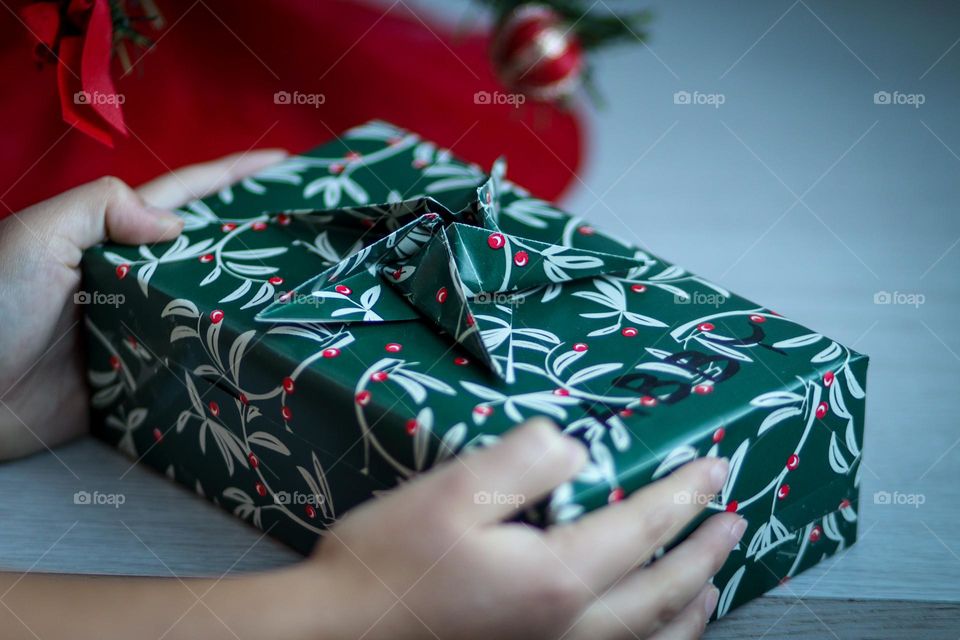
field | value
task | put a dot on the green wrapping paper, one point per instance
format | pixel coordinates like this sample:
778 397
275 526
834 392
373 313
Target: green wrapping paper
355 315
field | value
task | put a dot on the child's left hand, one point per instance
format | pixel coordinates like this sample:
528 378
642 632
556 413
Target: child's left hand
43 393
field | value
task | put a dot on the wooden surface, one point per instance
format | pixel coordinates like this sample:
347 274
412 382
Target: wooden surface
798 192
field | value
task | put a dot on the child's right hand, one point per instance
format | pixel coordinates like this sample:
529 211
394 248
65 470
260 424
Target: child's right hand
431 560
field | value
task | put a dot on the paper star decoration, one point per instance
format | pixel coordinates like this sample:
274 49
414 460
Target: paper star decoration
449 267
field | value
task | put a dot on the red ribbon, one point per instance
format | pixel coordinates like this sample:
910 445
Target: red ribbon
88 100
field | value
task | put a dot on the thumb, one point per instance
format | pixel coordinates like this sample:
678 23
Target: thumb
103 209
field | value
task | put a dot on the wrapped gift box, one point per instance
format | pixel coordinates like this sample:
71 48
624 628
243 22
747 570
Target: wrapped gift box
357 314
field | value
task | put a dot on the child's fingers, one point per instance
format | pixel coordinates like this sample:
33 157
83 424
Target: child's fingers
634 529
491 484
195 181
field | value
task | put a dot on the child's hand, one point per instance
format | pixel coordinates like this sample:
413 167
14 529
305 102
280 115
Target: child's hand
43 395
435 559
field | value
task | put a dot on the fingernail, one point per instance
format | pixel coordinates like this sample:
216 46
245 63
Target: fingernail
710 603
718 474
736 532
165 221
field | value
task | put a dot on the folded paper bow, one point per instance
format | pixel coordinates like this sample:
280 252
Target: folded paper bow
442 265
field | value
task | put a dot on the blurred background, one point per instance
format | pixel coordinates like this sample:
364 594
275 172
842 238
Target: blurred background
805 154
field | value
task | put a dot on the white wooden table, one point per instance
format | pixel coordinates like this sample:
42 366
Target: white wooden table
798 191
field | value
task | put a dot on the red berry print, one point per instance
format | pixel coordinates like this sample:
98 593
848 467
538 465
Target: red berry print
822 410
397 274
394 347
332 352
343 289
626 413
207 257
216 316
561 392
335 168
288 385
828 378
261 489
460 361
521 258
254 460
363 398
310 511
285 296
442 295
844 504
629 332
214 408
115 363
783 491
352 156
706 326
732 506
616 495
483 410
648 401
470 320
815 534
580 347
275 280
703 389
793 461
244 400
586 230
379 376
718 434
496 241
283 219
122 271
419 163
157 434
412 425
228 227
638 288
757 318
259 226
286 412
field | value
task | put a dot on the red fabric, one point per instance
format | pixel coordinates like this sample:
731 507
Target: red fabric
207 89
42 20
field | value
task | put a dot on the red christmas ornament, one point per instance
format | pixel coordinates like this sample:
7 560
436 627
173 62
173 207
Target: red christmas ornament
536 54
